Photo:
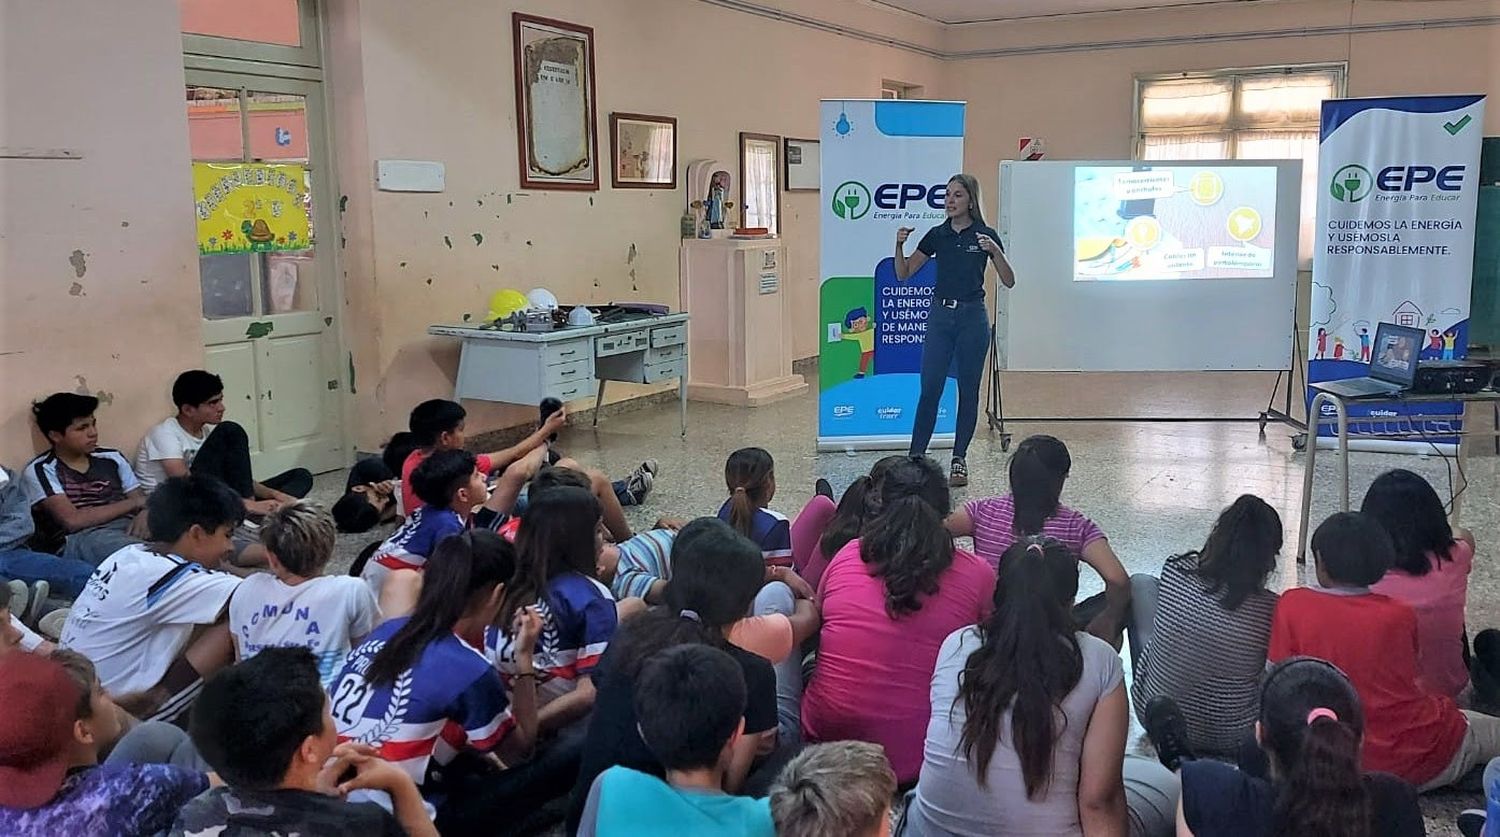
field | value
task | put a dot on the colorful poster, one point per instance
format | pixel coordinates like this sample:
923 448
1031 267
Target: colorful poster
1399 188
251 207
885 165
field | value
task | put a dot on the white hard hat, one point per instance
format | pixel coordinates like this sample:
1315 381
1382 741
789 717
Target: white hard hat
542 298
581 316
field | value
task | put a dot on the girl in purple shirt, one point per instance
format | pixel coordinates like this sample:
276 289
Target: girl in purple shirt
1038 469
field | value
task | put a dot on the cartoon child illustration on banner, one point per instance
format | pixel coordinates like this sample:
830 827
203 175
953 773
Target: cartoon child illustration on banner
857 327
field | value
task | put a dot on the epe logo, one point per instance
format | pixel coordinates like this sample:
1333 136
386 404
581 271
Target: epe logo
851 200
1351 184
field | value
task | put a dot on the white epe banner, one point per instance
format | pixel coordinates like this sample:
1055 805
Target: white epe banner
1397 195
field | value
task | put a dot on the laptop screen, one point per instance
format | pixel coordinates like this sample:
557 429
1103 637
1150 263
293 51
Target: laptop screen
1396 351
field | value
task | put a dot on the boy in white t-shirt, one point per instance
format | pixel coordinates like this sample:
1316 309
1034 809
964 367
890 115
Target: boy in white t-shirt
198 439
152 617
296 604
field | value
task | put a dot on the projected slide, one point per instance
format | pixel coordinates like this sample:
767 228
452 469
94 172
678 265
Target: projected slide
1173 222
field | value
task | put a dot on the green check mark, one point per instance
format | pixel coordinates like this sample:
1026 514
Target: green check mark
1454 127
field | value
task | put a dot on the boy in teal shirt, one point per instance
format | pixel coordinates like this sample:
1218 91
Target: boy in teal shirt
690 700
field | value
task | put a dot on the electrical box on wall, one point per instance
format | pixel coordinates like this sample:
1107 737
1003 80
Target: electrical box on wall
409 176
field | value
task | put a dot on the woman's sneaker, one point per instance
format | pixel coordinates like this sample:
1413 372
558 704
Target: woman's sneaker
823 488
958 473
1167 729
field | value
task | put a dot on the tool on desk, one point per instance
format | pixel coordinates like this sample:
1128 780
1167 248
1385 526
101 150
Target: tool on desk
1393 365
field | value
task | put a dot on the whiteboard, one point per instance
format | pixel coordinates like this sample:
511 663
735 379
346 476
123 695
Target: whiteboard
1049 322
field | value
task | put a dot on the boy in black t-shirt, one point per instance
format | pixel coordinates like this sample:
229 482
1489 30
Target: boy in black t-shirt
265 727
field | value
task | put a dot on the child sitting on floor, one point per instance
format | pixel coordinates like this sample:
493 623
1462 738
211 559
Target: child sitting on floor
690 700
840 789
1431 573
265 727
1037 471
418 688
438 425
750 476
152 617
295 604
86 499
452 485
1420 736
50 740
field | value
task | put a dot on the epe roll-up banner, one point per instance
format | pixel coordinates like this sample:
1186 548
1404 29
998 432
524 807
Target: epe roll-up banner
885 165
1398 192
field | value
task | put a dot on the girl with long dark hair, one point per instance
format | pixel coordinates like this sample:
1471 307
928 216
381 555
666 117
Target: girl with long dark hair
1029 719
750 477
416 678
1431 573
958 327
557 553
1038 469
716 573
1205 626
889 598
1310 726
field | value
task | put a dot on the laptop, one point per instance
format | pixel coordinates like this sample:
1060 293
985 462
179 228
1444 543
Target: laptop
1393 365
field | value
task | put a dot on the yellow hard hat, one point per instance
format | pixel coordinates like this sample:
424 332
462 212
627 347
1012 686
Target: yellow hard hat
507 301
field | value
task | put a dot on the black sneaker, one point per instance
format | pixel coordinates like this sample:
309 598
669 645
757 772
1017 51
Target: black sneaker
1167 729
1471 822
958 473
823 488
548 406
1484 671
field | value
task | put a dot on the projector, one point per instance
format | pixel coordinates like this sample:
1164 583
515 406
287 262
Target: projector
1455 376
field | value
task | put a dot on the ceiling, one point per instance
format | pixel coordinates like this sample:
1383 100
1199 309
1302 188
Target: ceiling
974 11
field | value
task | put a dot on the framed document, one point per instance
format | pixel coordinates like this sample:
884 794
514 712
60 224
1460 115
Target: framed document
555 104
800 159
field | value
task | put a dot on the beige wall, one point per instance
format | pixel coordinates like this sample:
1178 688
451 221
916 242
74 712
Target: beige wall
98 269
434 82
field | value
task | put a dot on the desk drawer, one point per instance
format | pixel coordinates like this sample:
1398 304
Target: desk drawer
665 353
619 344
672 335
565 352
566 373
667 371
573 390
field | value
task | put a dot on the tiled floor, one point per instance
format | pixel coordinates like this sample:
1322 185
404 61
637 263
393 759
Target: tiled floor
1155 488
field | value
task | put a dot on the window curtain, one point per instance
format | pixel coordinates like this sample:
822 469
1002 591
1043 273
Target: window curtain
1254 116
760 186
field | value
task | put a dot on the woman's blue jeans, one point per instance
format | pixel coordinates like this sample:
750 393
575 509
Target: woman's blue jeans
956 342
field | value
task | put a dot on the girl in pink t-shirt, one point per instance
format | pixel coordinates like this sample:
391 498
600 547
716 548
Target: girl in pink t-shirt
889 599
1433 561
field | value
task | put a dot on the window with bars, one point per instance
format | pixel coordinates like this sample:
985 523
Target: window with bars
1261 114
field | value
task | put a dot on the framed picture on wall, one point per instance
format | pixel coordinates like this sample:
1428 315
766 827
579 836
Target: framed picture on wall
555 115
760 181
644 151
800 159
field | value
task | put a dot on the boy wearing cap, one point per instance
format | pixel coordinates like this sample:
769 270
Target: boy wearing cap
51 781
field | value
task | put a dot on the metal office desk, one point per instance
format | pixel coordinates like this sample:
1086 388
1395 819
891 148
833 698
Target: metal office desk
1410 432
523 367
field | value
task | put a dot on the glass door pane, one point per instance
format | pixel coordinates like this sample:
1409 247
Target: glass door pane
279 134
216 134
